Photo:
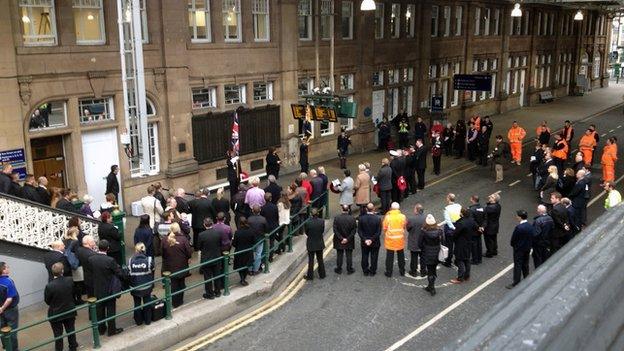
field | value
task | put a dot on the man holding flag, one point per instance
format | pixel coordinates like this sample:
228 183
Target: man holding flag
233 160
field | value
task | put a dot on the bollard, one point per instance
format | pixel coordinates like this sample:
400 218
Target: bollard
94 323
266 252
168 302
118 217
6 338
289 235
226 273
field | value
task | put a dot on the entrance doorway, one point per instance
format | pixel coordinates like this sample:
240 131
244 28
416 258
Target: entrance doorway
99 153
49 160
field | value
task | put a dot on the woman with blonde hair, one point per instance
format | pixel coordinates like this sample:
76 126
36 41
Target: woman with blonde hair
221 204
550 186
176 253
283 210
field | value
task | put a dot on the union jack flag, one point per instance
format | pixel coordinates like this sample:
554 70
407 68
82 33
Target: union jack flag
235 141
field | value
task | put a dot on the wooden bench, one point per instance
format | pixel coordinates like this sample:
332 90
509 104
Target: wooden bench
546 96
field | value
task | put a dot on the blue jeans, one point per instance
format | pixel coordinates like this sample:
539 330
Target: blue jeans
258 257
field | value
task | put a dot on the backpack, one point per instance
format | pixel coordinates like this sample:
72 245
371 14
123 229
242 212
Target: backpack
71 256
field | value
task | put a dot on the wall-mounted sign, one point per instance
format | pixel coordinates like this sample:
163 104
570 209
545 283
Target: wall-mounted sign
473 82
17 159
298 111
436 103
323 113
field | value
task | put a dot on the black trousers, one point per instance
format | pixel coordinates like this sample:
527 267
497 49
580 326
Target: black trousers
483 153
476 248
472 151
410 177
304 167
436 164
339 258
196 232
212 287
57 329
233 188
143 315
521 266
403 140
370 255
397 195
416 258
491 244
104 310
390 261
540 254
450 243
386 199
321 264
177 284
432 274
420 172
383 144
581 215
463 269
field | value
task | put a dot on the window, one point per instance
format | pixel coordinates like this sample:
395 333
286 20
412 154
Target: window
434 21
433 71
393 76
324 82
458 20
305 19
150 110
409 20
393 102
38 22
204 97
406 99
144 27
199 20
49 115
154 161
539 23
261 20
234 94
263 91
378 79
346 82
395 21
408 74
596 66
496 22
327 9
516 26
231 21
488 67
485 20
89 21
447 21
300 128
96 110
379 20
347 123
305 86
525 27
456 70
346 22
327 128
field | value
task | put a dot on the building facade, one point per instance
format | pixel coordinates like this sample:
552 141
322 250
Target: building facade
205 58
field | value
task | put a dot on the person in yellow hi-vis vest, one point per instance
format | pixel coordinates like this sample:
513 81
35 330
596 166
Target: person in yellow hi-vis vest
394 226
515 135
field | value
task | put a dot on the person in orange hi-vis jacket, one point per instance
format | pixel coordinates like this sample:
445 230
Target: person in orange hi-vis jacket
587 145
609 156
476 121
515 135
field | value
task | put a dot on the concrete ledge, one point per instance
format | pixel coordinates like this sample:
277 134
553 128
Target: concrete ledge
198 315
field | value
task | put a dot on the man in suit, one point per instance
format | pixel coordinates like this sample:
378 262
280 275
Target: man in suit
42 190
57 255
107 277
84 253
182 205
415 223
521 241
398 170
345 227
201 208
315 244
274 189
260 227
421 163
323 176
317 185
209 242
465 229
579 197
59 301
64 203
270 212
543 225
384 179
112 184
561 229
369 230
29 189
478 214
5 178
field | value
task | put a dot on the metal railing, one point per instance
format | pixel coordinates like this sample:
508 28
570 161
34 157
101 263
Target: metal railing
297 221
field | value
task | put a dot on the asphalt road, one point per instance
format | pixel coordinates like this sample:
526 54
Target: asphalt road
353 312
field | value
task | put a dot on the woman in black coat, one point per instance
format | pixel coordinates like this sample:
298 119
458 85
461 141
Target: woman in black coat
273 163
429 243
492 217
460 139
176 253
244 239
465 229
106 230
221 204
567 182
145 234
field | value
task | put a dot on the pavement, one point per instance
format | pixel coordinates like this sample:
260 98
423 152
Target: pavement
356 312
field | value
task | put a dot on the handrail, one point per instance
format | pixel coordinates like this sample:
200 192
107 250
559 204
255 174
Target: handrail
51 209
7 332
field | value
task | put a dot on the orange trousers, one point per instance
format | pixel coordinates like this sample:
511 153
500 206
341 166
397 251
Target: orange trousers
516 151
608 173
587 155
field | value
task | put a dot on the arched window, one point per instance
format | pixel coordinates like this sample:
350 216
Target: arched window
51 114
150 109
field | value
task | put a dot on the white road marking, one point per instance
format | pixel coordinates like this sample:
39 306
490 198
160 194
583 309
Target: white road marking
498 192
611 131
530 174
620 126
603 134
514 183
602 193
573 151
448 310
443 285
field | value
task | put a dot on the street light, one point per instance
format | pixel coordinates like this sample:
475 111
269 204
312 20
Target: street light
516 12
367 5
578 16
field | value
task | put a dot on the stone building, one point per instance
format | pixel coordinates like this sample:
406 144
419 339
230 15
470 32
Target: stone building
205 58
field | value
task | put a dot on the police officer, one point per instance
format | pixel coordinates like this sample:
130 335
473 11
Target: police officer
141 269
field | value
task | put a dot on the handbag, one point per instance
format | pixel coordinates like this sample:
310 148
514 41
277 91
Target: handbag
443 253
